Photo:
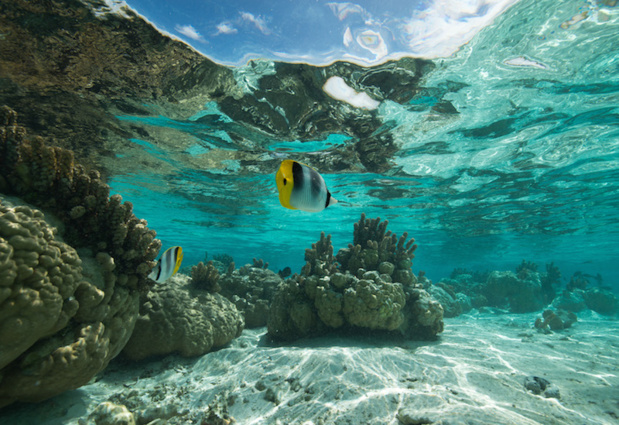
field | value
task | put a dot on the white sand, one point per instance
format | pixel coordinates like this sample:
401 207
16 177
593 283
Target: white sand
473 375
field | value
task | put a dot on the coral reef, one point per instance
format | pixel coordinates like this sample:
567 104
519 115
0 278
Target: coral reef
205 277
573 301
251 289
520 293
73 312
525 291
601 301
369 285
178 317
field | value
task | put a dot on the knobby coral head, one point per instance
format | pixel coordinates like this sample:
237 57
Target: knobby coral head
69 291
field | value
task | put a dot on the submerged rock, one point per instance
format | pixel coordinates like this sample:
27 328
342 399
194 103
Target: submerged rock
556 321
538 385
108 413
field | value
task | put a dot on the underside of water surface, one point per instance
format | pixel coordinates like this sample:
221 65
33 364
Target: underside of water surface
506 150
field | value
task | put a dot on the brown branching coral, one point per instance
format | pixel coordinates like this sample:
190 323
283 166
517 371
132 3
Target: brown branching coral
205 277
373 245
48 178
261 264
319 258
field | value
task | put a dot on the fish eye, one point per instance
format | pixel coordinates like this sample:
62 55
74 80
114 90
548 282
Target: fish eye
284 182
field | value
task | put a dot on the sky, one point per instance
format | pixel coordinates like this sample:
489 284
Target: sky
319 32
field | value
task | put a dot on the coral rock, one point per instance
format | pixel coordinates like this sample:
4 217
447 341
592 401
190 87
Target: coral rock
40 275
66 315
370 289
251 289
601 301
178 317
108 413
556 321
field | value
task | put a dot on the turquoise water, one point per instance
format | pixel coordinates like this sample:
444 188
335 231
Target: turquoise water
505 149
528 167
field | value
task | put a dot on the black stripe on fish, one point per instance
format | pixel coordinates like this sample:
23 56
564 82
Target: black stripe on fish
158 271
328 199
297 175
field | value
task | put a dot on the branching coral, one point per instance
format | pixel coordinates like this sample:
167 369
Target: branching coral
373 245
48 178
205 277
260 264
319 258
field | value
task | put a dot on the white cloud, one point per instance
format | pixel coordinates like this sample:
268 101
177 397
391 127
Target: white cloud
226 28
374 42
337 88
259 22
442 28
344 9
189 31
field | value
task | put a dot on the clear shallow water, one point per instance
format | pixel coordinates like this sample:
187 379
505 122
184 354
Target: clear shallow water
528 167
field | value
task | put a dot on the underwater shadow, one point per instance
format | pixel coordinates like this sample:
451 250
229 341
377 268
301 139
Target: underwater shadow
350 338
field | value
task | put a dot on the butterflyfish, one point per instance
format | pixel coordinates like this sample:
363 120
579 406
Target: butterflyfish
168 264
300 187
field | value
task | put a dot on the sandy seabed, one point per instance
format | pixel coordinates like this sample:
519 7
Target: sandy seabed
474 374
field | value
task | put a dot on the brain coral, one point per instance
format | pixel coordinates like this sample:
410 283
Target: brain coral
52 335
179 317
38 278
63 316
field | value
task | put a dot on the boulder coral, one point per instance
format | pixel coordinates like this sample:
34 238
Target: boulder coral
520 293
251 289
369 285
68 292
177 317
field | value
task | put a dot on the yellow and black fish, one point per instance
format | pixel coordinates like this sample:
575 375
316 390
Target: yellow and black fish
300 187
168 264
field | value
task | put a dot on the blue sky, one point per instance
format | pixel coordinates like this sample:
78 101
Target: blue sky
318 31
